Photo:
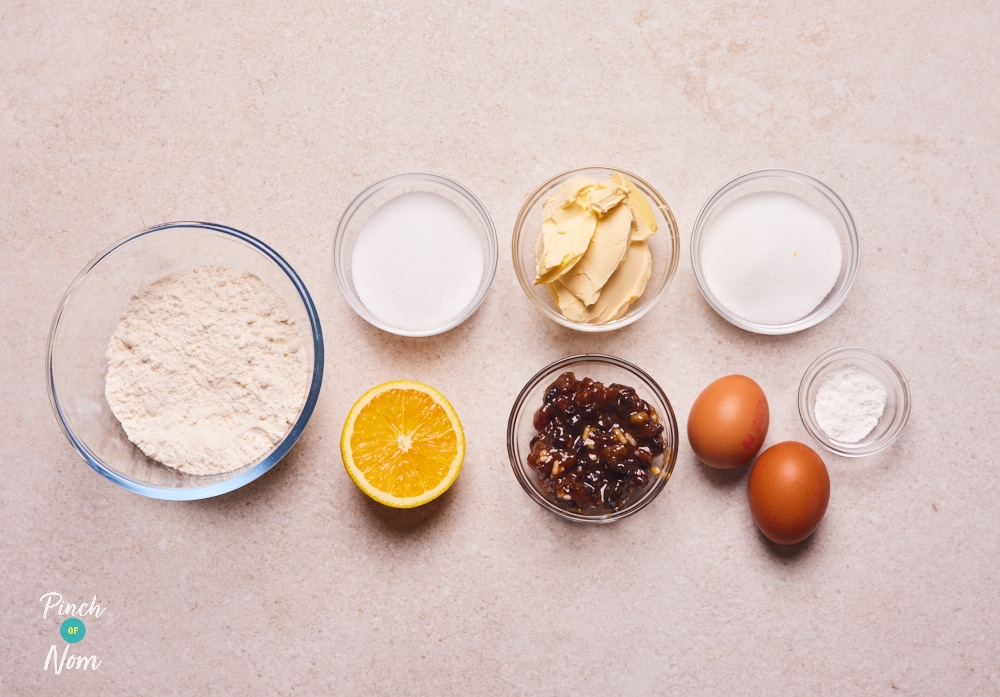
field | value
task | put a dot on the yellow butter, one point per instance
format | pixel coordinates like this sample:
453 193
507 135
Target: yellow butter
624 287
606 250
573 191
590 250
568 225
642 212
605 196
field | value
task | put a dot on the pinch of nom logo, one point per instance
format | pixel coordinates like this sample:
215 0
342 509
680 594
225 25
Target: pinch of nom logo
72 630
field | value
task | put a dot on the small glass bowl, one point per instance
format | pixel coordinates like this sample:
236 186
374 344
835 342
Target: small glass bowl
76 360
664 247
897 405
809 190
352 227
600 368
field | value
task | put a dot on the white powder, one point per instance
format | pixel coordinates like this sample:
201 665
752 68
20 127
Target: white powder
770 257
418 261
206 371
849 404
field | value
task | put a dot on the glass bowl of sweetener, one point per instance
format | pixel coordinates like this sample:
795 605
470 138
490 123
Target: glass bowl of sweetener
415 254
854 401
775 251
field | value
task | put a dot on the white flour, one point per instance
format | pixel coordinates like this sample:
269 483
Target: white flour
206 371
849 404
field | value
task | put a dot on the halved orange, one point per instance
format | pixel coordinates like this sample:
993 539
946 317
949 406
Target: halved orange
403 444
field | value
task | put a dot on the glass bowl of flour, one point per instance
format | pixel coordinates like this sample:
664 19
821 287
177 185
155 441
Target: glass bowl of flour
854 401
775 251
185 360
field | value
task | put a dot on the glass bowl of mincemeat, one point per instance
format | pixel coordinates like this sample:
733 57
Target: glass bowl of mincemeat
185 360
595 248
592 438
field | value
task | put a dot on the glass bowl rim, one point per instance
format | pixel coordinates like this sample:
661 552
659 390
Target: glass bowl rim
341 262
824 361
650 300
247 474
669 422
828 306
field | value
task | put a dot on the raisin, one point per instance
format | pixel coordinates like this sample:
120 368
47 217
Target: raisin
638 417
542 416
566 383
615 453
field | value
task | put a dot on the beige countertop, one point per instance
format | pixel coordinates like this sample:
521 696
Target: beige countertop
270 117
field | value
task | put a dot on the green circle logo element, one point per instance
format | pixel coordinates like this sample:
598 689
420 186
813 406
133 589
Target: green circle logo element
72 630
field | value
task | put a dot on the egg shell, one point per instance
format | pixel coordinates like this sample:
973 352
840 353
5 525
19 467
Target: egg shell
788 490
728 422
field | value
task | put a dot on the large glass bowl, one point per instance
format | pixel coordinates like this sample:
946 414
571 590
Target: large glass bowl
608 370
89 313
664 248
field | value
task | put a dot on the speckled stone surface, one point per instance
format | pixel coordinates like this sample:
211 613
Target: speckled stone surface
269 117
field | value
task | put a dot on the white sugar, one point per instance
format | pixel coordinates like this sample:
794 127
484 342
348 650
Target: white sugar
770 258
418 261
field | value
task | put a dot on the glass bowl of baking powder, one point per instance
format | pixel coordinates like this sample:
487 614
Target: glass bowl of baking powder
160 424
774 251
854 401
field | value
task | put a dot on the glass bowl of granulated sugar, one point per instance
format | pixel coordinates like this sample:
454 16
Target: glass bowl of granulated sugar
185 360
415 254
854 401
775 251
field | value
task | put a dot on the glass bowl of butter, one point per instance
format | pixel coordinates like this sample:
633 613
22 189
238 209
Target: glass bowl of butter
594 248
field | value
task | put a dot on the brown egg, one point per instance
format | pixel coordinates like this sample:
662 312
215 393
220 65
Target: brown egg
728 422
789 490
